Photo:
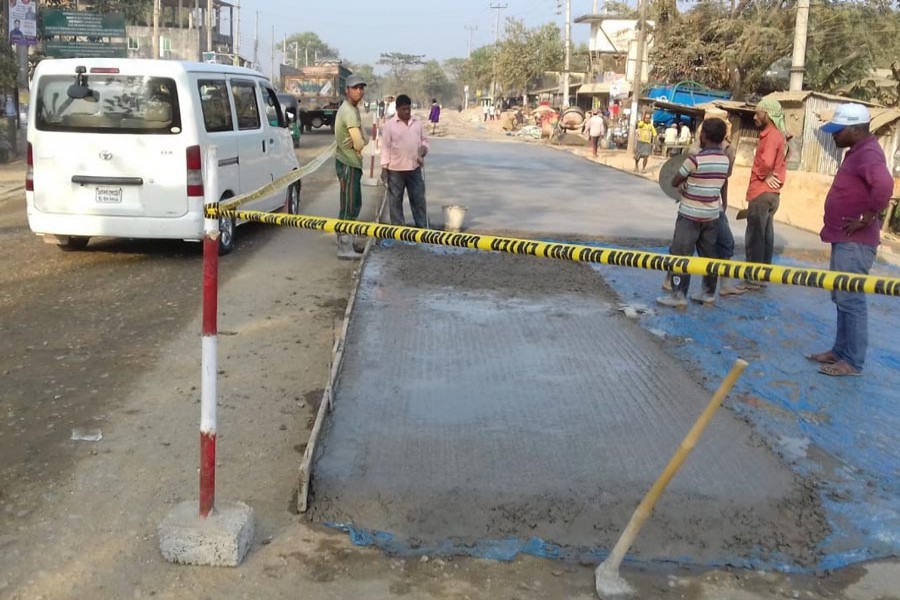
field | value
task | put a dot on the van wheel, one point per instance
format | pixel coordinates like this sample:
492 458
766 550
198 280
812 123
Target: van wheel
226 235
293 199
317 122
73 243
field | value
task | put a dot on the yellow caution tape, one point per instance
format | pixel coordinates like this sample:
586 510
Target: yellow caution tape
815 278
280 183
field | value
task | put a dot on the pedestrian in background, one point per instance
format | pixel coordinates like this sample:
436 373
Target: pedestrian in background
435 115
646 133
486 110
860 192
349 139
596 129
767 177
701 178
391 108
403 150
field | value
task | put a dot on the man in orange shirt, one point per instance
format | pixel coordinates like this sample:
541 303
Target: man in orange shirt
767 177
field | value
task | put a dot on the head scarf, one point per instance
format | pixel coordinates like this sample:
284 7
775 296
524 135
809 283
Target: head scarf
773 108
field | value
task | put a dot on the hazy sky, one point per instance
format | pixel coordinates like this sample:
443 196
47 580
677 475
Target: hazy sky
362 29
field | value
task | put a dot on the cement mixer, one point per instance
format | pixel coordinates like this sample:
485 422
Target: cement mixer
571 119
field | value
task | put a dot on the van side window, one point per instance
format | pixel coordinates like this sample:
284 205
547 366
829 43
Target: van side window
274 115
215 105
244 93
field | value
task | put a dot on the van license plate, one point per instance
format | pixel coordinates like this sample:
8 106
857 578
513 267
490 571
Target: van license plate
109 195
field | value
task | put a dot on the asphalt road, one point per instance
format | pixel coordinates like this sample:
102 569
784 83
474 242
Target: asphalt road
77 329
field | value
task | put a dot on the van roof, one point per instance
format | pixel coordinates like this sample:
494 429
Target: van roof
66 66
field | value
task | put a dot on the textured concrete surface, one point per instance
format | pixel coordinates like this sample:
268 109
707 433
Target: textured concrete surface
220 540
496 397
531 189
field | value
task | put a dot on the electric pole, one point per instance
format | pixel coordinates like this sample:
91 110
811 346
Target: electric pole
256 44
637 78
236 42
154 44
798 61
209 25
498 8
568 53
272 58
471 29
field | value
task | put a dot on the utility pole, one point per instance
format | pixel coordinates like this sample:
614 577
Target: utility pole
471 29
209 25
256 44
798 61
272 58
637 78
154 44
236 42
498 8
568 53
594 12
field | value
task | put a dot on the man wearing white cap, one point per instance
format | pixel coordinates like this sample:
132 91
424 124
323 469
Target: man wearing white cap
859 194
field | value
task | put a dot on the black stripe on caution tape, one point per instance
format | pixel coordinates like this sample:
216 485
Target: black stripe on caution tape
638 259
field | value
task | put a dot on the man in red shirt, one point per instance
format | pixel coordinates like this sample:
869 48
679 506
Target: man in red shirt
767 177
859 194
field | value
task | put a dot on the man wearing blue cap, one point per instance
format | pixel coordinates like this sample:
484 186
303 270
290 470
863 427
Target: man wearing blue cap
859 194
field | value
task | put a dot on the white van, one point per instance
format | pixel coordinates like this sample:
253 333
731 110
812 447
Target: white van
116 147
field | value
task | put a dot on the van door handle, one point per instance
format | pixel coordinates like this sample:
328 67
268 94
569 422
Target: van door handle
264 145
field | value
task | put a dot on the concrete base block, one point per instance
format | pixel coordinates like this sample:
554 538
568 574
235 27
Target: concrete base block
220 540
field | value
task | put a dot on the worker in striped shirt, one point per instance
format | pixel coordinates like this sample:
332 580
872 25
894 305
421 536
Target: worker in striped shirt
700 178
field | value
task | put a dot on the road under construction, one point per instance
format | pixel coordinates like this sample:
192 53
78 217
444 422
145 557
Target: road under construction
490 404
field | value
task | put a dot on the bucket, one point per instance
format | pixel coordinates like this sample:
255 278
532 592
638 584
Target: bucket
454 217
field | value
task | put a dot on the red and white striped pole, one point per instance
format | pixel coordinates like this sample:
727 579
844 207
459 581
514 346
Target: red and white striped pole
209 356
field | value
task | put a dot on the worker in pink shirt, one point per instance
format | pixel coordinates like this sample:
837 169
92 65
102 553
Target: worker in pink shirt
403 150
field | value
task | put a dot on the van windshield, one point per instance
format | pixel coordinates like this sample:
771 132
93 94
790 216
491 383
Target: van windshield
116 104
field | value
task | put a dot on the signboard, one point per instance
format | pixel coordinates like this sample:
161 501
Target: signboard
83 23
23 22
85 49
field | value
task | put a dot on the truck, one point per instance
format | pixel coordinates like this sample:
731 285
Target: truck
320 91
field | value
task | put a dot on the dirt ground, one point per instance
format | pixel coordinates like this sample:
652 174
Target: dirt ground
107 339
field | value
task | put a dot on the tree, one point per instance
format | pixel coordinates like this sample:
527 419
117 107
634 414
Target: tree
435 83
479 68
455 68
740 47
719 46
400 65
311 49
137 12
525 54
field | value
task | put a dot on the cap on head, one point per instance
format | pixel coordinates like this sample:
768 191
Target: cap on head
355 81
847 115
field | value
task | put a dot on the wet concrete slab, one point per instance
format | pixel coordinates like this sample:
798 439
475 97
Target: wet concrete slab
490 404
